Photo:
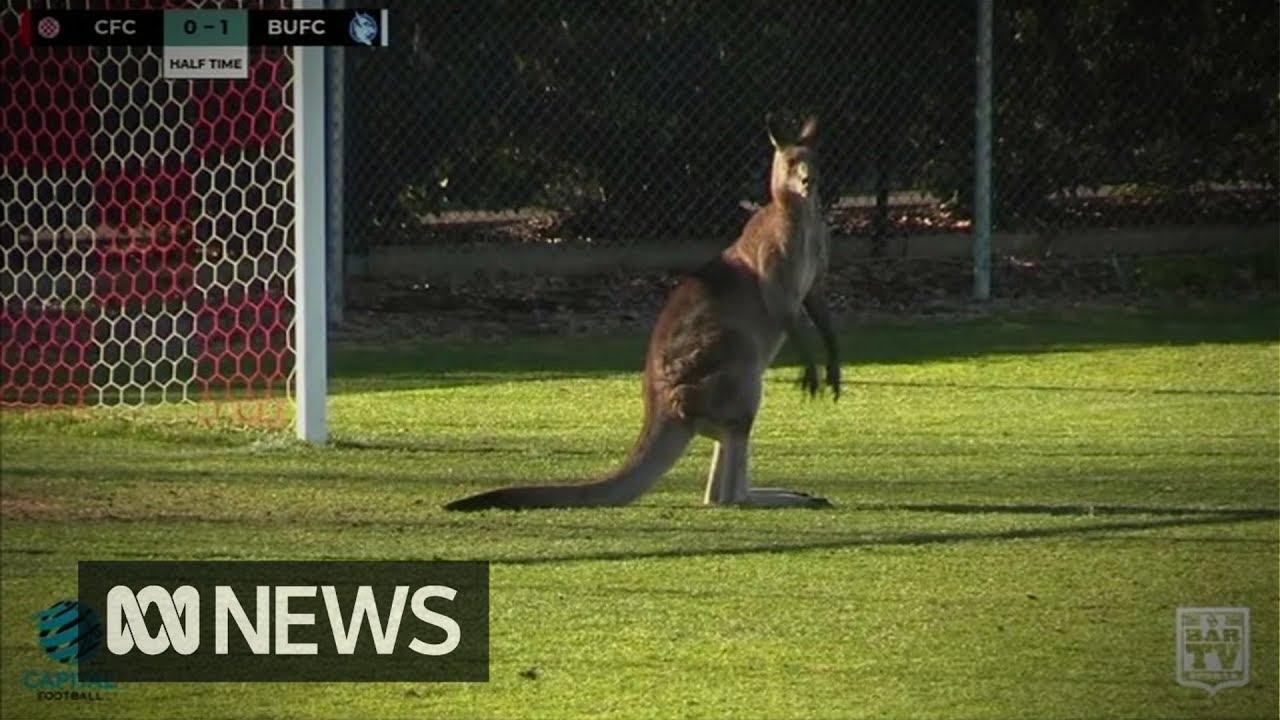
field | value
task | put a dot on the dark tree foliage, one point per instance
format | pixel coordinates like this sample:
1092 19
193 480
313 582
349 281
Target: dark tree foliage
1107 92
643 118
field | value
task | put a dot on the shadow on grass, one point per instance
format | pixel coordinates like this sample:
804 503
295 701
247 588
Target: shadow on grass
1047 509
417 363
1181 517
1067 388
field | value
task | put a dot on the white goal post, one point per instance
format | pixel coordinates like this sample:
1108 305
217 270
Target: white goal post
310 237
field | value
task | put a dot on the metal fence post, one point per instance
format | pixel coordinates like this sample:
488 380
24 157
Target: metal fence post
982 159
335 126
335 67
311 367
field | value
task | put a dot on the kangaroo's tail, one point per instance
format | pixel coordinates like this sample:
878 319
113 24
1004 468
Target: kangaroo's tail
661 443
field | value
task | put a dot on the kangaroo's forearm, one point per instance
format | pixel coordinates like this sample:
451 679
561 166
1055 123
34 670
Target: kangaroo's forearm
815 304
795 333
789 316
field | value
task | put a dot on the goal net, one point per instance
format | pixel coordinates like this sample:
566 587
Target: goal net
148 252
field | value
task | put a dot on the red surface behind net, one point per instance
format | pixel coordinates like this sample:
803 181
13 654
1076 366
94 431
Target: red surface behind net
147 247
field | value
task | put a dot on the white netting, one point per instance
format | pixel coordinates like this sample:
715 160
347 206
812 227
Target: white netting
147 232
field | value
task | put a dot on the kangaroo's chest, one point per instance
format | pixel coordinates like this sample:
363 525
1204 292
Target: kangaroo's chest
801 260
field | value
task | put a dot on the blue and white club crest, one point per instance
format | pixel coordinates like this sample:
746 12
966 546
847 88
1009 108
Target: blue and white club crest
363 28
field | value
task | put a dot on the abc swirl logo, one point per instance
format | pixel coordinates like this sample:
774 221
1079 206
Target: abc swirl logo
68 631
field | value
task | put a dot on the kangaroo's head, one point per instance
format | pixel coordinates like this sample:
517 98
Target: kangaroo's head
795 170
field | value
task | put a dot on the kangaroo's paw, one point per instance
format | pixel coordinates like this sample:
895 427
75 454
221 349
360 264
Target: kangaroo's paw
809 381
775 497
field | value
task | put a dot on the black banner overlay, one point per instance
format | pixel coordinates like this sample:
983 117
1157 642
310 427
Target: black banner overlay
282 28
311 27
213 621
88 27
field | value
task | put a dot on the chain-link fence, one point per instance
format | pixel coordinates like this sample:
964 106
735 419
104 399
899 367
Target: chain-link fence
643 121
146 235
640 122
1113 113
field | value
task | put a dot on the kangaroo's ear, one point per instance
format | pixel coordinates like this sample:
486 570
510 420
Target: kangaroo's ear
769 126
809 133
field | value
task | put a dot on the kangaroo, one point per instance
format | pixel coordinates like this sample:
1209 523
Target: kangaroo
715 337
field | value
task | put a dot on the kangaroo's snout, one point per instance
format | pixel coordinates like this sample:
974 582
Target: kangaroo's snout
802 179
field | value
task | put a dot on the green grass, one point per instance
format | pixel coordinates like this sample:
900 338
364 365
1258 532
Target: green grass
1022 502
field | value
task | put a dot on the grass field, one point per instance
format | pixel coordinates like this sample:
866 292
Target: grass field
1022 503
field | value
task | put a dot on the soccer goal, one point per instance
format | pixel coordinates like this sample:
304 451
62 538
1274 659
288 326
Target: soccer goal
163 240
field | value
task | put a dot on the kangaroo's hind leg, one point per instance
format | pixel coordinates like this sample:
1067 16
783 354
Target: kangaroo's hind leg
732 483
730 399
715 478
733 454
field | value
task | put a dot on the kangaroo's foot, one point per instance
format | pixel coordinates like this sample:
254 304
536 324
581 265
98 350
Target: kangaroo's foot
776 497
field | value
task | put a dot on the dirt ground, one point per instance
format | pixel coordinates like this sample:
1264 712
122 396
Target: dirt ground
502 305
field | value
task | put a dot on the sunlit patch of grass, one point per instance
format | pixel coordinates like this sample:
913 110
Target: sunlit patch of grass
1021 503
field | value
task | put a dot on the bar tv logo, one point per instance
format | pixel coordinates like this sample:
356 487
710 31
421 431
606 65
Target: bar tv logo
1213 647
288 621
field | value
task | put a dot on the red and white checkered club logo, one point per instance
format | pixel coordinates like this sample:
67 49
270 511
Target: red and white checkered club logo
48 28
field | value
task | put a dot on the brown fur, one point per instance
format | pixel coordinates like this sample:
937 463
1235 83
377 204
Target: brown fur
712 342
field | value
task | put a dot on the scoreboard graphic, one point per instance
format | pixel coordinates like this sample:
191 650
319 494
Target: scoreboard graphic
201 44
205 44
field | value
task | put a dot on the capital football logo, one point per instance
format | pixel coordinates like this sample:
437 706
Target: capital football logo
68 631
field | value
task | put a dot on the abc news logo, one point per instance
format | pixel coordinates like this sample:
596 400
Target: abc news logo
180 616
282 621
